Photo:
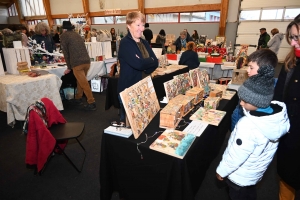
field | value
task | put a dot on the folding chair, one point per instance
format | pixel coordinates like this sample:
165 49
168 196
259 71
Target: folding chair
42 141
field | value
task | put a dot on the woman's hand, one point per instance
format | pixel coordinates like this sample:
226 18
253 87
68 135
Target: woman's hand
67 71
219 177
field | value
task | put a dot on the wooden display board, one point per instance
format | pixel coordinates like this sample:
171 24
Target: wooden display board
170 89
174 143
141 105
183 82
210 116
194 77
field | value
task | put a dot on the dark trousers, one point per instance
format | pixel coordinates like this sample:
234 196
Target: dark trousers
241 193
122 110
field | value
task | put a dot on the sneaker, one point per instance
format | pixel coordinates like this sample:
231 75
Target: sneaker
91 106
76 102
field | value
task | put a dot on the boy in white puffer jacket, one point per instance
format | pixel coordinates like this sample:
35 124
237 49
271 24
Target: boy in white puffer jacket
254 140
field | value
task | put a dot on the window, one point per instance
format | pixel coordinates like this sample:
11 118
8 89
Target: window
32 8
250 15
103 20
184 17
271 14
167 17
200 16
291 13
120 19
12 11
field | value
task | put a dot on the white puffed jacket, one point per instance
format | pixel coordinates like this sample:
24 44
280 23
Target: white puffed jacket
252 145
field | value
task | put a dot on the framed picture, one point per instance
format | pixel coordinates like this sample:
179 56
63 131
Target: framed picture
220 39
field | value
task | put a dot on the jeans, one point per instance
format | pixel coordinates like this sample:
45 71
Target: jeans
83 85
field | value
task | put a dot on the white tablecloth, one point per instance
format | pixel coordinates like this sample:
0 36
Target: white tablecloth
96 68
18 92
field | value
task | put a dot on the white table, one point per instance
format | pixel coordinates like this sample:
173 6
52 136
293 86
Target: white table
216 71
18 92
96 68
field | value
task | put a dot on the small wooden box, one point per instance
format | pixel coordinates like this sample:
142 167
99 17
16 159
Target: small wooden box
186 103
216 93
170 116
239 76
211 102
197 93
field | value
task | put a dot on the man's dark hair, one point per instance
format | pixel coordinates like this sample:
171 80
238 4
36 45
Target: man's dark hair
147 25
264 57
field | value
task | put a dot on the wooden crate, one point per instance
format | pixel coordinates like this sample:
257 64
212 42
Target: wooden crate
239 76
186 103
170 116
211 102
197 93
216 93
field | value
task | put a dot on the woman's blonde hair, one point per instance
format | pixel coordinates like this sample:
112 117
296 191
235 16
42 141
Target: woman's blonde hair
290 60
190 46
133 16
40 27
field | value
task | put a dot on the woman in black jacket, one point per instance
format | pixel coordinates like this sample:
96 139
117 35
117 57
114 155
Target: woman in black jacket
287 90
190 57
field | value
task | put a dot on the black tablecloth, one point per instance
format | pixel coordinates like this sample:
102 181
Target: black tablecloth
159 176
112 95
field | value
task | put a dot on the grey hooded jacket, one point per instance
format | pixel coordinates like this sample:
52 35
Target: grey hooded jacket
275 42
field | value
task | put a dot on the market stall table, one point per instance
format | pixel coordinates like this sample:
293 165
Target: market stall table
96 69
18 92
112 86
158 175
216 70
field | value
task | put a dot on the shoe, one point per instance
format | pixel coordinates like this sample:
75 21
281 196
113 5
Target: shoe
76 102
91 106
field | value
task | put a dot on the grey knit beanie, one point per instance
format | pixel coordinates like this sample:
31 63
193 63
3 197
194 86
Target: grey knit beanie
258 90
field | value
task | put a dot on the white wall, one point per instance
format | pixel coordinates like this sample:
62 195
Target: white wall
113 4
66 6
160 3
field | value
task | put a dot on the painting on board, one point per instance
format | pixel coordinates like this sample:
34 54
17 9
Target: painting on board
183 82
140 104
194 77
174 143
170 89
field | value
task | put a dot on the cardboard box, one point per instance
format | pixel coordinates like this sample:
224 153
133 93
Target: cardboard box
211 102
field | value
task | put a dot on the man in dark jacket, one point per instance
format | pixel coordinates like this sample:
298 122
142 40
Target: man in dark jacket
263 39
78 60
148 33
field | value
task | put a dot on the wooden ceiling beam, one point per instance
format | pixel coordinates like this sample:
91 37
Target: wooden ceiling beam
48 12
141 6
223 17
86 10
